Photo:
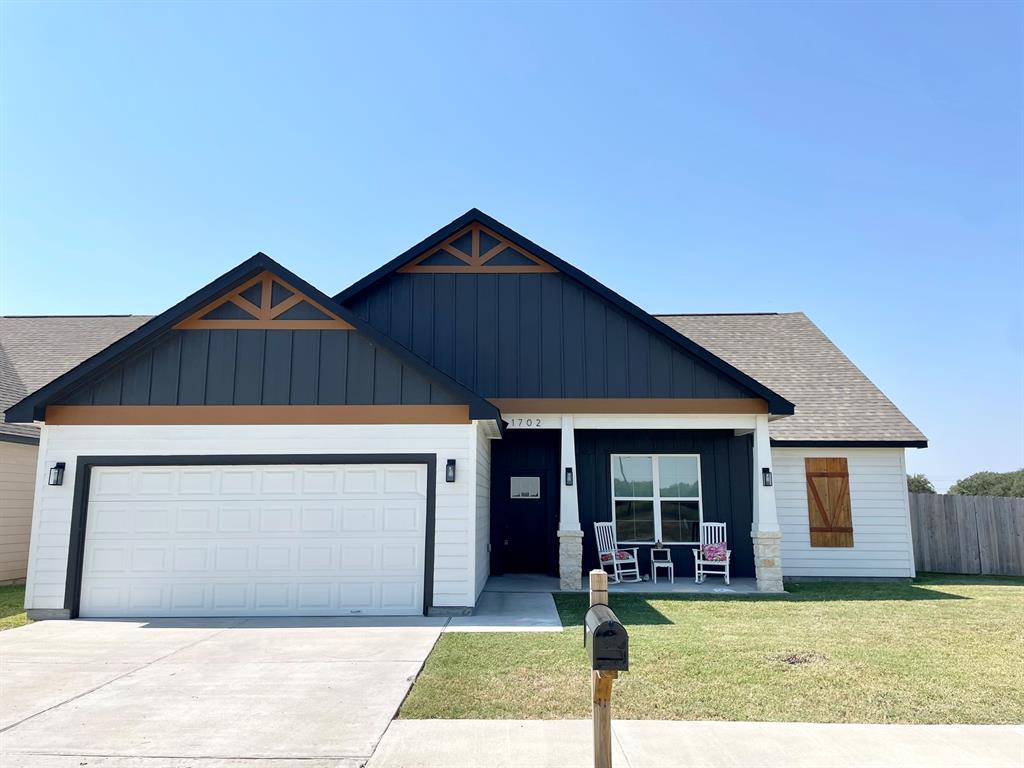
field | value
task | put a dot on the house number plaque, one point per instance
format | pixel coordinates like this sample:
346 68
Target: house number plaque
525 422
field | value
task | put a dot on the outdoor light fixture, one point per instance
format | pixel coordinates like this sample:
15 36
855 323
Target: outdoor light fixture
56 474
568 475
449 471
766 477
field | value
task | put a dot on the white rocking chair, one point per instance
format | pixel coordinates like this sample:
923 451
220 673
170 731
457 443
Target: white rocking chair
713 534
624 562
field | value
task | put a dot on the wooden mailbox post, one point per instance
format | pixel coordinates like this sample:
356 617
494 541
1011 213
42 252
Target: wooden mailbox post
609 653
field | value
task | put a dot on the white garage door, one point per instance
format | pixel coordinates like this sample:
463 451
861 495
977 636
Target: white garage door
280 540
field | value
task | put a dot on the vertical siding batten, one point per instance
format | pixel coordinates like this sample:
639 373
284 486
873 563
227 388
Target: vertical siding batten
604 353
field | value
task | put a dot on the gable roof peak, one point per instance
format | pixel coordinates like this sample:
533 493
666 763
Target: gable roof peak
33 406
776 403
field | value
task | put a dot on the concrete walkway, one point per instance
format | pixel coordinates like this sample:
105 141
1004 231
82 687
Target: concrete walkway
667 744
510 612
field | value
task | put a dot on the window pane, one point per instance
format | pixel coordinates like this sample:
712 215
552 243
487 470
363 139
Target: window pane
677 476
680 521
525 488
632 476
634 520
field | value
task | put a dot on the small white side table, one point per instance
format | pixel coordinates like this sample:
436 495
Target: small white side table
662 558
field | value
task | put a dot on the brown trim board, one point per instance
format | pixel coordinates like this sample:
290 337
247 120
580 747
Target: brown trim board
257 414
631 405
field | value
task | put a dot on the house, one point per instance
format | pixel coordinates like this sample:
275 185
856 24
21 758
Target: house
33 352
470 408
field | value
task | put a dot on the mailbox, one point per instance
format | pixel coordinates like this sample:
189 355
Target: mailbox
606 639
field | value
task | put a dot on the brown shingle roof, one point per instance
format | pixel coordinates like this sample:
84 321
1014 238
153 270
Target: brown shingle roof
36 350
834 400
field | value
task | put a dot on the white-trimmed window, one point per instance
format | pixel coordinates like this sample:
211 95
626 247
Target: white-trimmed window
656 497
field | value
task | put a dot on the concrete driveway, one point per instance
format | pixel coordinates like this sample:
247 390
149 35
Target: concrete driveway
310 692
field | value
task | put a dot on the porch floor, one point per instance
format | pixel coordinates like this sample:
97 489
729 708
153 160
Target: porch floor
713 585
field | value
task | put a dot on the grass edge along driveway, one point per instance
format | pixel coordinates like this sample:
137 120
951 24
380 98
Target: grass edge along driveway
945 649
12 606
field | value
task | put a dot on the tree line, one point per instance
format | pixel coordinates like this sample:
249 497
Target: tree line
978 484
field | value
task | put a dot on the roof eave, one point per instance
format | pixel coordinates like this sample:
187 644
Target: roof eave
6 437
910 443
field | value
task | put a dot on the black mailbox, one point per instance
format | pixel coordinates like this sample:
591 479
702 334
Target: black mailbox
606 638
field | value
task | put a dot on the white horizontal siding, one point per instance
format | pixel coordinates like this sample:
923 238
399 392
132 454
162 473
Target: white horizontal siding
882 545
455 502
483 508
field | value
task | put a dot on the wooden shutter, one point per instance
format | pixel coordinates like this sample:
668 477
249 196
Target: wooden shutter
828 502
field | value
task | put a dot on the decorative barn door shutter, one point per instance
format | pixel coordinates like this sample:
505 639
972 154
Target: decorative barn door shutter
828 502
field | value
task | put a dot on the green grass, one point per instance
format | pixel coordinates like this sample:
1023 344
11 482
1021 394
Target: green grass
12 606
946 649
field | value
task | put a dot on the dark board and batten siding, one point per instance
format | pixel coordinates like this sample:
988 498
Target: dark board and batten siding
534 336
262 367
726 486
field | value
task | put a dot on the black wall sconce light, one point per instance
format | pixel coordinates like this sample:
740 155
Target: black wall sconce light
449 471
56 476
568 475
766 477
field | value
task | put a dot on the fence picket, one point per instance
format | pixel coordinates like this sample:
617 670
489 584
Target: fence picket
968 534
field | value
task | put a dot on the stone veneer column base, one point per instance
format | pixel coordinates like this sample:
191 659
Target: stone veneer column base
768 561
570 560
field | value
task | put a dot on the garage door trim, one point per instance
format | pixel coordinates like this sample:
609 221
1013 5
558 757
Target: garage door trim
85 464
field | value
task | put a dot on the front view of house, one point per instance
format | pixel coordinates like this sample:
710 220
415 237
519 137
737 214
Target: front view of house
471 408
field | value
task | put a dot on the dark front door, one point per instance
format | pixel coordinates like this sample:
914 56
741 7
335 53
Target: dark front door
524 502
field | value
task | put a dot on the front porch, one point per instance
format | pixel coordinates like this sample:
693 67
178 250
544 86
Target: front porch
533 583
654 479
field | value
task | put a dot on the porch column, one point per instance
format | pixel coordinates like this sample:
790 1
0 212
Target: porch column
570 536
765 531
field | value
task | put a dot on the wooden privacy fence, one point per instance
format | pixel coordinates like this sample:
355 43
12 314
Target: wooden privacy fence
968 534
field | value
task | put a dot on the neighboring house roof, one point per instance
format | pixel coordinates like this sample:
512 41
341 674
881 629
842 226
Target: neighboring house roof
34 350
91 370
835 401
776 403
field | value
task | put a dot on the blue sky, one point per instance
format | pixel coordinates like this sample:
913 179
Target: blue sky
860 162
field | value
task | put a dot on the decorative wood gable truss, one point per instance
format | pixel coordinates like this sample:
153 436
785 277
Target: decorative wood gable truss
256 345
829 512
264 302
477 249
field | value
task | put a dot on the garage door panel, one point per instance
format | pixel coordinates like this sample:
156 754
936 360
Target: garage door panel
264 519
146 597
240 483
263 598
112 484
150 559
243 541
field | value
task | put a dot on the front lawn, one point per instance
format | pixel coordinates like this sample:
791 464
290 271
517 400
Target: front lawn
946 649
12 606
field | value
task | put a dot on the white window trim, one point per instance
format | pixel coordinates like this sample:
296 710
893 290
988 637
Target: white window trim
656 490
